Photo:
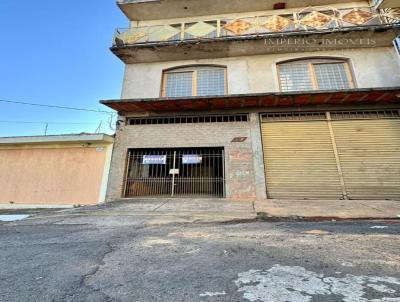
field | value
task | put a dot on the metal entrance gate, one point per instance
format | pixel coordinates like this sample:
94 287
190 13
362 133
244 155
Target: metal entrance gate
175 172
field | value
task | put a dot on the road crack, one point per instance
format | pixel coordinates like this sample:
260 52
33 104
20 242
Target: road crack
83 282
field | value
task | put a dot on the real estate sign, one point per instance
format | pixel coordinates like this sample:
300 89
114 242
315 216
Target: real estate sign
154 159
190 159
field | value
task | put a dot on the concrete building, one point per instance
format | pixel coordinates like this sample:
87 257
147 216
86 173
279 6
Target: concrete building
250 99
54 171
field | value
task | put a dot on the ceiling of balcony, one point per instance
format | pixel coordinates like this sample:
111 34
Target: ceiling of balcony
389 3
169 9
263 100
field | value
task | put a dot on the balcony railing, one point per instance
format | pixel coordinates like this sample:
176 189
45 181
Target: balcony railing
134 1
310 19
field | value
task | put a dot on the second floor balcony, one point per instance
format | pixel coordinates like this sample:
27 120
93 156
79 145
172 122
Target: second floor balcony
306 21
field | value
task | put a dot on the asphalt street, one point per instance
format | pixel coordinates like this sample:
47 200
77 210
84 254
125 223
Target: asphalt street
100 258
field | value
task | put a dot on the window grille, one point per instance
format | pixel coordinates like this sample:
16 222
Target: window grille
188 119
331 76
179 84
295 77
194 81
335 115
211 82
315 74
365 115
293 116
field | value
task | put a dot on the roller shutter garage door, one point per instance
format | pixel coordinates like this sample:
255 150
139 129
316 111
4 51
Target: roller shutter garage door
332 155
368 145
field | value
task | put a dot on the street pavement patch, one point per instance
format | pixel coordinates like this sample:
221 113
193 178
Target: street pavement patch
157 242
296 284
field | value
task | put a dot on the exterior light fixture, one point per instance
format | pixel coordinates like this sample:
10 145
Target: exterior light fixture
280 5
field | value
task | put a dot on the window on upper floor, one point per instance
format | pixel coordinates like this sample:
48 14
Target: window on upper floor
194 81
315 74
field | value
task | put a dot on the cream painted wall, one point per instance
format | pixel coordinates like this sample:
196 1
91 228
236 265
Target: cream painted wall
54 175
373 67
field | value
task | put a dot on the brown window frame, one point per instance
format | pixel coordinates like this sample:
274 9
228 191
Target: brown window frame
319 61
194 70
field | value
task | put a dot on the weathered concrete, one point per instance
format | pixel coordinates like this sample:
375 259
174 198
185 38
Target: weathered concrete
88 257
330 208
167 211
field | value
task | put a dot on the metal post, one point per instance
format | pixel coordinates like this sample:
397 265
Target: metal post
337 159
223 173
128 167
173 175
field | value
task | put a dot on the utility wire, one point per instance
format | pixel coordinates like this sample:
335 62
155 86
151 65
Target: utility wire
58 107
59 123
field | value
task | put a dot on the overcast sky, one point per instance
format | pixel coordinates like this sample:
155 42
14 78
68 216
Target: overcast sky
57 52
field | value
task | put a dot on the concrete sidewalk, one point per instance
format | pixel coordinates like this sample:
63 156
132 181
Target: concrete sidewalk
341 209
157 211
223 209
170 211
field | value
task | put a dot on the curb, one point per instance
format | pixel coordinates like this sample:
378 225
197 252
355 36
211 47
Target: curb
263 216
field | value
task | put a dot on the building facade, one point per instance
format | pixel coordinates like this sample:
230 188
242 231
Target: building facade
258 99
54 171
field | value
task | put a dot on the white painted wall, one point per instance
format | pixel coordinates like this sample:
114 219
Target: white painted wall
377 67
107 164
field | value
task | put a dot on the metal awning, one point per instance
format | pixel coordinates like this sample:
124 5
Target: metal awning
261 100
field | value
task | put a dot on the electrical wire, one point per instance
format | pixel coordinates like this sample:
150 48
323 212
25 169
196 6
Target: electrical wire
54 123
58 107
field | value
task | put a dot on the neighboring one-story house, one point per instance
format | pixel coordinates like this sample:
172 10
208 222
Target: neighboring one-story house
54 170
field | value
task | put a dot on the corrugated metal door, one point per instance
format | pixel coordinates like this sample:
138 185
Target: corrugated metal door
347 155
299 157
368 145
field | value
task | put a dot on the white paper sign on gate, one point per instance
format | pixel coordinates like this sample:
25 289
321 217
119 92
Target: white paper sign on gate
154 159
190 159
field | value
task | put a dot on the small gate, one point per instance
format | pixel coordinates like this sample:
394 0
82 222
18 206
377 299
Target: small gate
195 172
